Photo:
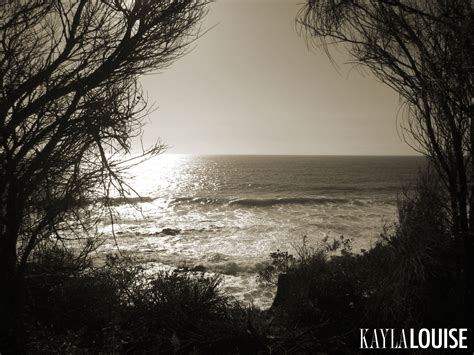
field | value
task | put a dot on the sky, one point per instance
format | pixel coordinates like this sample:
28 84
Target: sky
250 85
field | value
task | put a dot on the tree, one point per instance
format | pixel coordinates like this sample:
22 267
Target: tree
70 103
424 50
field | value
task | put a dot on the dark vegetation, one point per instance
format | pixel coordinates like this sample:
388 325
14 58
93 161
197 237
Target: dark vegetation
409 279
424 50
327 292
74 307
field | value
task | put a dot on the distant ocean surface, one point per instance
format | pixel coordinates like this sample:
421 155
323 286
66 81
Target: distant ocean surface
227 213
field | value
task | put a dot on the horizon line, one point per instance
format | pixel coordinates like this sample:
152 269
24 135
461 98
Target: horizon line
295 155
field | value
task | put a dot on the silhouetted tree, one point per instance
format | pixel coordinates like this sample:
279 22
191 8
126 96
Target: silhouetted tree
424 50
69 105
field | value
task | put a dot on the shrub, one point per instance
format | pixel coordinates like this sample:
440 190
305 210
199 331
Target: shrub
121 308
69 306
413 278
318 294
409 279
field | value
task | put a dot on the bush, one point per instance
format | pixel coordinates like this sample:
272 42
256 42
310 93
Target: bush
121 308
414 278
69 306
408 280
318 295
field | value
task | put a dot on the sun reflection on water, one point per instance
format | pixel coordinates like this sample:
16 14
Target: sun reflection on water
160 175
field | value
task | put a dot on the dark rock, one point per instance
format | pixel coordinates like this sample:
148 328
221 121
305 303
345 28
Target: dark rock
198 268
283 293
170 231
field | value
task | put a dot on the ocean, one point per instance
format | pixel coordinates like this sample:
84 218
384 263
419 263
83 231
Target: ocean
228 213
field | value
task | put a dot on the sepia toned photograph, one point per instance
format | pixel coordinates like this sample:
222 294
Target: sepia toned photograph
236 176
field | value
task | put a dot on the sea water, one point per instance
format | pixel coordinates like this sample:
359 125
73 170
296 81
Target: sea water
227 213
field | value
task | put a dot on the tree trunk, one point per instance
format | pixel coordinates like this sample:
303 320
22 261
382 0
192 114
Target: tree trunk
11 297
11 303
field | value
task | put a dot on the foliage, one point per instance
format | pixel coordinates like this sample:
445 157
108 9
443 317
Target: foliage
281 262
417 264
120 307
409 279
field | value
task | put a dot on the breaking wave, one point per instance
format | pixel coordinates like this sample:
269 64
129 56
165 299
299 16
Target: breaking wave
269 202
116 201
